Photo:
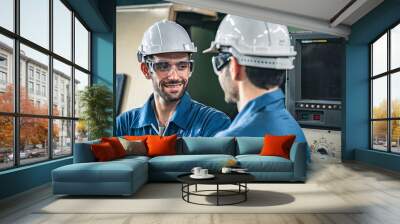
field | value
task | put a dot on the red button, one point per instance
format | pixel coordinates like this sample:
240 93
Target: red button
316 117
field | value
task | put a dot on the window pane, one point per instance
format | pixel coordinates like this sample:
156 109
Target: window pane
6 74
81 45
33 139
395 94
379 135
379 97
34 97
62 29
62 89
62 138
395 138
379 55
395 47
81 131
6 142
81 81
7 14
35 21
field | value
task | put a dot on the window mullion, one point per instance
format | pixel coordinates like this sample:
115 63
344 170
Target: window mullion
50 81
16 70
73 82
389 106
371 89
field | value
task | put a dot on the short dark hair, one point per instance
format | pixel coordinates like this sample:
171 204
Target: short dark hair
265 78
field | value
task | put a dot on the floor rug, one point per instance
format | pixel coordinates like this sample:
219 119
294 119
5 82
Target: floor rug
167 198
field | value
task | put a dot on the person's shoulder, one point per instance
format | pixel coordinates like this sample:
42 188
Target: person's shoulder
132 113
208 110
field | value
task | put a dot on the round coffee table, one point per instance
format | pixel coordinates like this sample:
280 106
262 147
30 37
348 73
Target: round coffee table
238 179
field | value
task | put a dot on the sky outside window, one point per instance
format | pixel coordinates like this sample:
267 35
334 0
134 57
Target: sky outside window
379 56
62 29
7 14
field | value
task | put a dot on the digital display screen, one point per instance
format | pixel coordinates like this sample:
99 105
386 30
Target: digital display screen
322 66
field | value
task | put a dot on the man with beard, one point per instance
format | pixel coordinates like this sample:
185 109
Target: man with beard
252 60
165 59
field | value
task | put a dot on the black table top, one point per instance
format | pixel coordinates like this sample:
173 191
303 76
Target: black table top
220 178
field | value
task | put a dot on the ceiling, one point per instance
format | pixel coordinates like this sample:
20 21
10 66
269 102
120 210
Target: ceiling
333 17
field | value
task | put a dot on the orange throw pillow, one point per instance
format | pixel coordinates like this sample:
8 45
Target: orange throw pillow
161 145
116 145
103 151
277 145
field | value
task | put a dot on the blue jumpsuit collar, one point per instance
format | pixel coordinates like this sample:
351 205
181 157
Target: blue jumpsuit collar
180 117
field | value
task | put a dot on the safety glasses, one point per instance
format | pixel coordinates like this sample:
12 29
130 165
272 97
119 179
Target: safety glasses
220 60
166 67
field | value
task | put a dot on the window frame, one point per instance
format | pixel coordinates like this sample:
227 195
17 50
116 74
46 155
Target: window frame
51 118
388 74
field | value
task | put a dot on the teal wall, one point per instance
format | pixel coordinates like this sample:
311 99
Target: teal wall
356 125
103 51
203 85
99 15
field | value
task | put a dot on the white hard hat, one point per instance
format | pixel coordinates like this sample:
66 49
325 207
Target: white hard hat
165 37
254 43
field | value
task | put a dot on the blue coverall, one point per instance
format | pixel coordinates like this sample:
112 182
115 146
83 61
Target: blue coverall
190 119
265 114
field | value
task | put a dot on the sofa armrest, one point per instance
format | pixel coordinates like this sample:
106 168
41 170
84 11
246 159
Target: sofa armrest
298 155
83 152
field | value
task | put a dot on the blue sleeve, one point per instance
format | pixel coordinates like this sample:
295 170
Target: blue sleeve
216 122
120 125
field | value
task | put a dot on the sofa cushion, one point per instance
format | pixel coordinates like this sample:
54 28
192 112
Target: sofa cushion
257 163
131 158
111 171
83 152
206 145
185 163
249 145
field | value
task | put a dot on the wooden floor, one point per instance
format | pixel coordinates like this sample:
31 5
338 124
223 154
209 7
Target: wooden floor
377 188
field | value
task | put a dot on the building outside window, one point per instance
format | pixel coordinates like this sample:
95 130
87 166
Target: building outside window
37 74
3 71
30 72
44 77
3 78
38 89
3 61
30 87
43 90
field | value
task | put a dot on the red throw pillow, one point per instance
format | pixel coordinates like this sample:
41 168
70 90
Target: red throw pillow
116 145
103 151
277 145
161 145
